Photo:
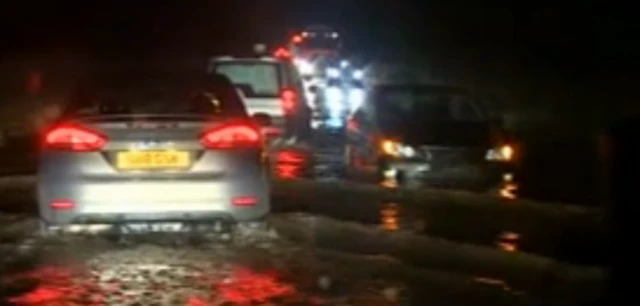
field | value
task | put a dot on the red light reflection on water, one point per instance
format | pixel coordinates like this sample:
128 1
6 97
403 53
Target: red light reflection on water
289 164
58 286
246 287
70 287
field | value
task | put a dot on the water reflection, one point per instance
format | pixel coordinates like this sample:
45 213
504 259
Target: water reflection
389 213
493 282
393 217
58 285
113 278
508 241
289 164
509 188
389 183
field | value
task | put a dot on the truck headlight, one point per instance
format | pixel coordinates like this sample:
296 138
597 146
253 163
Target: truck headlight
502 154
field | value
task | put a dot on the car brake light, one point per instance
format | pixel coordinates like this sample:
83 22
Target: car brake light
231 136
74 138
244 201
296 39
289 99
62 204
282 53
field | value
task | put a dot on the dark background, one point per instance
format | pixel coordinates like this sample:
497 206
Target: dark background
554 43
559 65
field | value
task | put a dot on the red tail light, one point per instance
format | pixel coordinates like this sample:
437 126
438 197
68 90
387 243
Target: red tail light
231 136
62 204
296 39
244 201
74 138
282 53
289 99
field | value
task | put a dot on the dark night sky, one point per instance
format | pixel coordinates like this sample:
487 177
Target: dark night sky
576 42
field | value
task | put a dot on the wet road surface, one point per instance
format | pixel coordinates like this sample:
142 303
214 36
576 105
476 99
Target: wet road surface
509 226
571 234
253 269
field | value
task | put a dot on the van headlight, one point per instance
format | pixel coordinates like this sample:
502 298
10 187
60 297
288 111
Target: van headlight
501 154
396 149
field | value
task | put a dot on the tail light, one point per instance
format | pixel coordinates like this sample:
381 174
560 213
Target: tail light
231 136
282 53
62 204
289 99
74 138
296 39
244 201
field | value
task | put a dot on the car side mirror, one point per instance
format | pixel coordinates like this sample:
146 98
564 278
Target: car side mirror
262 119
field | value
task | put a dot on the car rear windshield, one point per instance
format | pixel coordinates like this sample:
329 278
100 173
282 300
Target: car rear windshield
132 95
398 105
255 79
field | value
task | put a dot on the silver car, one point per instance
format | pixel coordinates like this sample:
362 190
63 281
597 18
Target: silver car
152 151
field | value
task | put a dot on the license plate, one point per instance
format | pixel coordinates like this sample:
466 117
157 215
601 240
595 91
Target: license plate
144 160
154 227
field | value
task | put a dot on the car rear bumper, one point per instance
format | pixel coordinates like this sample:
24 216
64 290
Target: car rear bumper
131 200
476 176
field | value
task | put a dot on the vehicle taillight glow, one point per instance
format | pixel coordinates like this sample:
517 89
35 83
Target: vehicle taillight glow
296 39
289 99
244 201
231 136
282 53
62 204
73 138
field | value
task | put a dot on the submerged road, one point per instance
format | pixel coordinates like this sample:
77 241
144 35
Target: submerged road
306 258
